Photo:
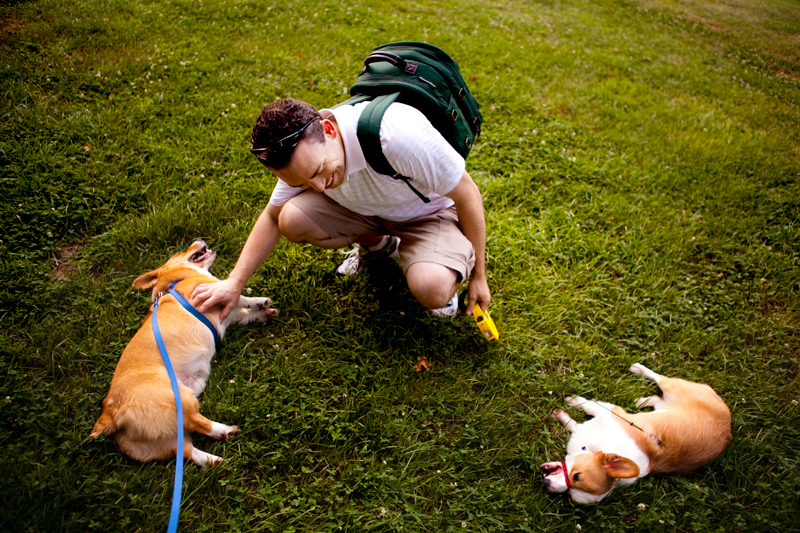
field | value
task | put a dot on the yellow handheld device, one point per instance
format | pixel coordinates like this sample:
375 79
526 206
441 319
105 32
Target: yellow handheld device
485 324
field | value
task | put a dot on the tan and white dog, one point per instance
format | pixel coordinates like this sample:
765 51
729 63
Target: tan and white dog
688 428
139 409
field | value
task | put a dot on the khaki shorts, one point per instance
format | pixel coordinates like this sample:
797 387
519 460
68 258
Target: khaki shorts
435 238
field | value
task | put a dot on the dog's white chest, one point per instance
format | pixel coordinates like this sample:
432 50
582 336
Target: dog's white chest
604 434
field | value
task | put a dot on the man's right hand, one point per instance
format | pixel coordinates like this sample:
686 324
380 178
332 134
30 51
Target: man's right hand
225 293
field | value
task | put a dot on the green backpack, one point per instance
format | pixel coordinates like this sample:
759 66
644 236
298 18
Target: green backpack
422 76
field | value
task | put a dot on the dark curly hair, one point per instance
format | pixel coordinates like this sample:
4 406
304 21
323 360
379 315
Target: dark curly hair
280 119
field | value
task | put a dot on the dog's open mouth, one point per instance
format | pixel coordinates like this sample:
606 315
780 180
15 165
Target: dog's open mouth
200 255
550 469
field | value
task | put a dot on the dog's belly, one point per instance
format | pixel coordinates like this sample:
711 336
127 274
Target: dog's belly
195 374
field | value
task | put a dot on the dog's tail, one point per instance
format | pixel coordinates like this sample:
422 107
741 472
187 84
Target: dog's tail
104 424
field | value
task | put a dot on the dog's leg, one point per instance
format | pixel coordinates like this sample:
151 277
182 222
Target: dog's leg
590 407
249 310
666 384
641 370
656 402
195 422
201 458
198 423
565 419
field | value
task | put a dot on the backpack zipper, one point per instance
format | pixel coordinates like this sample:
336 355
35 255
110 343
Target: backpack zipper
428 82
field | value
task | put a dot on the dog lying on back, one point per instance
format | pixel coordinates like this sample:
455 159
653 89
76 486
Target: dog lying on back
139 409
688 428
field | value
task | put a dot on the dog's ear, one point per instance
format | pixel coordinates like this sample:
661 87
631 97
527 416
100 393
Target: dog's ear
145 281
619 467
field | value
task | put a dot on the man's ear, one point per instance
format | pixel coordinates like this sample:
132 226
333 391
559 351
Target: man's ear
328 128
146 281
619 467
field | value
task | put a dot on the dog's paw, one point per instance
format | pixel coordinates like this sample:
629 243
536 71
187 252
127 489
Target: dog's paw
213 460
221 431
655 401
260 303
575 401
561 416
262 312
203 459
638 369
643 402
641 370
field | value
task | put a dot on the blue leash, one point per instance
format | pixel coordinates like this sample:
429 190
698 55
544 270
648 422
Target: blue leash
178 486
197 314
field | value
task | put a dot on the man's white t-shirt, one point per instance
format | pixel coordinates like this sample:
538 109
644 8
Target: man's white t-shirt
412 146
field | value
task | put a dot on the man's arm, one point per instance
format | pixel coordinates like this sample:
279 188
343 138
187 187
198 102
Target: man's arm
469 205
262 240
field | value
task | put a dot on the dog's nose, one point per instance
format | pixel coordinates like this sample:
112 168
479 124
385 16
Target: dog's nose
546 483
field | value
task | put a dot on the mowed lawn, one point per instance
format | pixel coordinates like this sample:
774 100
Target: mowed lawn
639 165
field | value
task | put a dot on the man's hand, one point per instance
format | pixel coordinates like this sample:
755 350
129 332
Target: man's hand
262 240
225 293
478 292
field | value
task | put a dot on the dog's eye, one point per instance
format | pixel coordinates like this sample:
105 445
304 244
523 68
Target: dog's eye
576 477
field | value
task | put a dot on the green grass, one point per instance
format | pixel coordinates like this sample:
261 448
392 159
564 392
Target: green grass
639 166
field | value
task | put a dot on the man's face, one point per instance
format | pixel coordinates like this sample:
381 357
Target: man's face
316 165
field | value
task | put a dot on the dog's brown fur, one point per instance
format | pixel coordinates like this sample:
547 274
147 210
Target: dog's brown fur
690 416
139 409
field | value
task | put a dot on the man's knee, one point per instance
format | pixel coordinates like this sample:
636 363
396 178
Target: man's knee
295 225
431 284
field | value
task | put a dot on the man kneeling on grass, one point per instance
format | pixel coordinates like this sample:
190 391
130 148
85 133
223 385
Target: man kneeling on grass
328 195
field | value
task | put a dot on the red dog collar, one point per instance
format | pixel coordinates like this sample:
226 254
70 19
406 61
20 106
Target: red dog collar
566 473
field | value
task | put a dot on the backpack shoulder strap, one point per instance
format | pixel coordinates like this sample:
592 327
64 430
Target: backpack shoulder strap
369 133
353 100
369 137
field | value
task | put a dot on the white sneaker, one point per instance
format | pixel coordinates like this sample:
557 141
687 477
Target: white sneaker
448 311
359 256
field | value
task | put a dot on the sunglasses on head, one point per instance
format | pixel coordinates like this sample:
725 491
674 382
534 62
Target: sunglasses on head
288 142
